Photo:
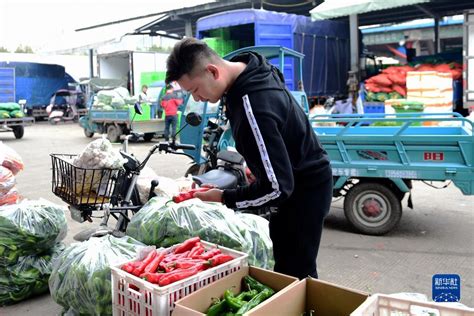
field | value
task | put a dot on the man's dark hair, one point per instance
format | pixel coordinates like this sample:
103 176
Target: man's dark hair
186 54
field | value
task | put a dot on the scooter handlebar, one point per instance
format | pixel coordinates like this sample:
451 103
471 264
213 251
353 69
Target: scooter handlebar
185 146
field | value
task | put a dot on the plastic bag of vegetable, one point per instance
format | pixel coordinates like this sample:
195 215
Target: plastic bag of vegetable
10 197
261 253
81 275
98 154
166 188
28 277
29 228
7 180
164 223
10 159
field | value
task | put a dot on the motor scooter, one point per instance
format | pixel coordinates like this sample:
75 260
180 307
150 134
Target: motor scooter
64 112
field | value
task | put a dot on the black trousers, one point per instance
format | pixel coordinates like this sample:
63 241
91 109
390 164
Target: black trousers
296 229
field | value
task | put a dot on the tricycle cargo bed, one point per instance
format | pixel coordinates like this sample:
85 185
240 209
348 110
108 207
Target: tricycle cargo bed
433 153
21 121
110 116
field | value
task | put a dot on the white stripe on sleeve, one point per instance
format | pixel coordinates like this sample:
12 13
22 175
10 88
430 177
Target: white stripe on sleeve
265 160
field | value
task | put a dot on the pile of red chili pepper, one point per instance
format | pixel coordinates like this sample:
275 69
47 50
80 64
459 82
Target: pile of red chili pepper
187 259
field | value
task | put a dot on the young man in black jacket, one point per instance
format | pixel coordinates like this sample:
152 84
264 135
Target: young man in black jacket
273 134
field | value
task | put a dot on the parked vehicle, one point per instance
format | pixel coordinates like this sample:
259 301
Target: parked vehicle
66 109
468 55
129 66
16 125
375 157
325 44
116 122
120 199
33 82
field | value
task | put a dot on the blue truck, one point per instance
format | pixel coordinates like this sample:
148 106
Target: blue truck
36 83
324 43
7 95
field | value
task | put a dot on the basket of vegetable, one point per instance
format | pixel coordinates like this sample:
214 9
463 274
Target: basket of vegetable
91 178
152 285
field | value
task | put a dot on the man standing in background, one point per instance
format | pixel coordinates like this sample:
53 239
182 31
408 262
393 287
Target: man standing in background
170 104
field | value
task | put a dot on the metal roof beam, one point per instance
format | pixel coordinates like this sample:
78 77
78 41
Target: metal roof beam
427 11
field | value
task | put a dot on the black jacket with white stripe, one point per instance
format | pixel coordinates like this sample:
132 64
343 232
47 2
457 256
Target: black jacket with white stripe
273 134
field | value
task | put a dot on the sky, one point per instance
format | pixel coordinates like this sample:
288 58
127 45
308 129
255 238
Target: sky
49 25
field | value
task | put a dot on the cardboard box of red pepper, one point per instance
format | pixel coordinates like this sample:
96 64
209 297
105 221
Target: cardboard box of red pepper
151 286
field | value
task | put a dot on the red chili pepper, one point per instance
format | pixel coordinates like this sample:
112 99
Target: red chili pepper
153 277
183 255
189 263
185 265
197 253
170 257
220 259
128 267
150 268
195 248
187 245
209 254
139 270
180 274
186 195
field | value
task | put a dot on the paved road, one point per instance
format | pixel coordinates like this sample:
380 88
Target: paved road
436 237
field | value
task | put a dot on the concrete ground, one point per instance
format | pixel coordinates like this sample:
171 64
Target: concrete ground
436 237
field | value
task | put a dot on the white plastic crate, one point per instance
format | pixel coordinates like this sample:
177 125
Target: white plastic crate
384 305
153 300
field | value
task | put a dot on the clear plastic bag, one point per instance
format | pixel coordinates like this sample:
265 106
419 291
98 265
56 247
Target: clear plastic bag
10 197
28 277
7 180
98 154
10 159
164 223
261 253
29 228
80 279
166 188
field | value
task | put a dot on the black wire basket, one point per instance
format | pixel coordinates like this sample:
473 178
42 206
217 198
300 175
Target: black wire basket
84 187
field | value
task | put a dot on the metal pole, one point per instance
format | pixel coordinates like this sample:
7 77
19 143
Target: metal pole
354 35
437 43
188 28
91 63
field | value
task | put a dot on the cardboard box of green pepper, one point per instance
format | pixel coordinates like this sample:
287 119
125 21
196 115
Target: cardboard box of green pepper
236 294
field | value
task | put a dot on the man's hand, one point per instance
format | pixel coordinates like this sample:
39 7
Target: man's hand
213 195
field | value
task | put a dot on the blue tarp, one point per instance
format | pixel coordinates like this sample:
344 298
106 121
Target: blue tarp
325 44
36 82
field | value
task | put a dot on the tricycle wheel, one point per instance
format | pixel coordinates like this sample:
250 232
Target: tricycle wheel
113 133
88 133
372 208
148 136
18 131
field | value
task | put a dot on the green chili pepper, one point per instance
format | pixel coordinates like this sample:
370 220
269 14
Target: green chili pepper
257 299
232 302
216 309
255 285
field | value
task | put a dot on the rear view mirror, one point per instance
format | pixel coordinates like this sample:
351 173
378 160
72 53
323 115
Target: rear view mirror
138 108
193 119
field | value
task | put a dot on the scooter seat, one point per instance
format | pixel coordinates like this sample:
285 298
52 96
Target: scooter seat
232 157
220 178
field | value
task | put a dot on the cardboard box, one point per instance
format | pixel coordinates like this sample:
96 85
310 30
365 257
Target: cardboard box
196 304
325 298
